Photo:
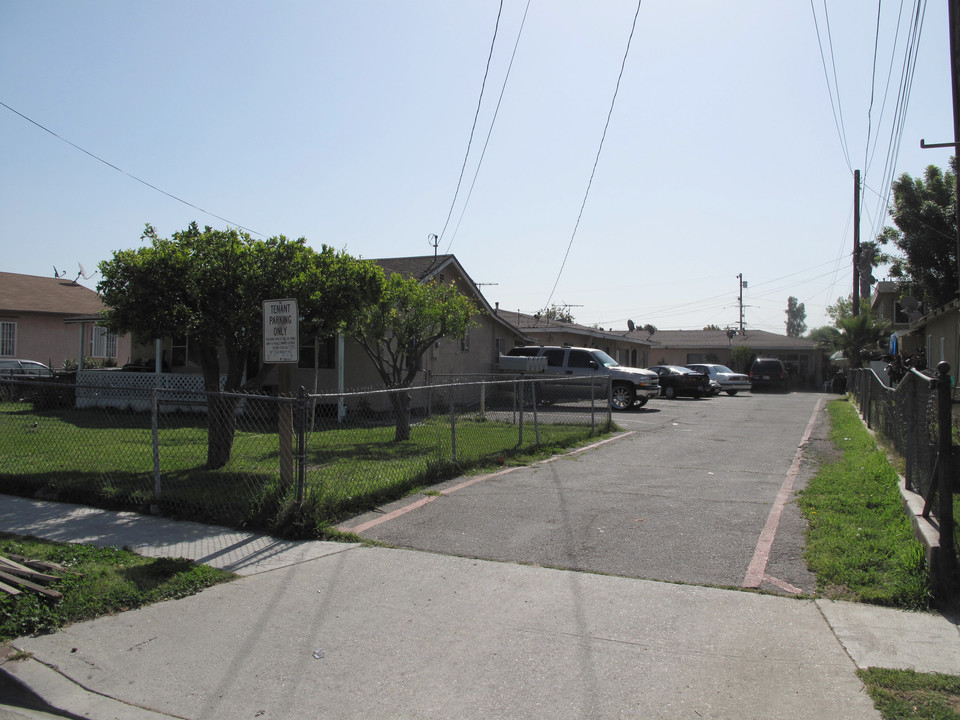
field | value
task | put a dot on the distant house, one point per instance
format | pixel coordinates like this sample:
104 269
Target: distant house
630 348
53 320
680 347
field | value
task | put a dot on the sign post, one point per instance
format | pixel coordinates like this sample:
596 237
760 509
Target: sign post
281 345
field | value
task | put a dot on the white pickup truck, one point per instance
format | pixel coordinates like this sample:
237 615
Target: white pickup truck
631 386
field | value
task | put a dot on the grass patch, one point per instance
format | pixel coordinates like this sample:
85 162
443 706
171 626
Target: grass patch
860 543
901 694
105 459
103 581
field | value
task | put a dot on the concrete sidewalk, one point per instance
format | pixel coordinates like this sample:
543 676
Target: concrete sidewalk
327 630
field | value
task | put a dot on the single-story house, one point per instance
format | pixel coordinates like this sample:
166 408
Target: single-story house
680 347
339 363
627 348
54 320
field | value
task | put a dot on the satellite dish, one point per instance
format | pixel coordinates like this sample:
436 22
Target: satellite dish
631 326
84 273
909 303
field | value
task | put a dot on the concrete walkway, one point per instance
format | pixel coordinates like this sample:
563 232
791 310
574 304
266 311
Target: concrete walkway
327 630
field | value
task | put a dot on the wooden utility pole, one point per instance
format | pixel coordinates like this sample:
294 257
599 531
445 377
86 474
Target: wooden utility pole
954 21
856 243
740 278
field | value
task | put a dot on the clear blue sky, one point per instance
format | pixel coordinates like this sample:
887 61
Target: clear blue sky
347 123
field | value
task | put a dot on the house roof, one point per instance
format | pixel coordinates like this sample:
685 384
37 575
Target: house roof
533 324
426 267
35 294
757 339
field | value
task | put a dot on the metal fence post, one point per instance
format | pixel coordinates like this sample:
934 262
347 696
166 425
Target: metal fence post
948 558
300 422
536 422
910 412
523 391
453 430
155 427
593 409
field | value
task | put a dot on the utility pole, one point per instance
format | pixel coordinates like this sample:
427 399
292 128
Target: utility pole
743 284
856 243
954 21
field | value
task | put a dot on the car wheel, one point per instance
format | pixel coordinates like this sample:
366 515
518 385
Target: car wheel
623 397
670 392
731 393
697 394
641 402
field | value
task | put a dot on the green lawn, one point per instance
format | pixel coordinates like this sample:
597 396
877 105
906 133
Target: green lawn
106 459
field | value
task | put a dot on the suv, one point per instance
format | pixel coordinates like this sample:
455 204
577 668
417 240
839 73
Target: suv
631 386
769 373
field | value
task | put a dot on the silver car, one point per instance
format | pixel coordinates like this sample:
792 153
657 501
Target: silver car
10 368
729 381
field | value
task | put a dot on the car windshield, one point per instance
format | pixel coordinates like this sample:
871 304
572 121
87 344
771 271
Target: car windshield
605 359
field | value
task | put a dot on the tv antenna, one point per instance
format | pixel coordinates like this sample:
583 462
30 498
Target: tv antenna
433 241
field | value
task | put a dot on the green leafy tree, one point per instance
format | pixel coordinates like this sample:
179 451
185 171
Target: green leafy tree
925 214
558 313
209 285
842 308
713 327
796 317
408 317
740 358
826 338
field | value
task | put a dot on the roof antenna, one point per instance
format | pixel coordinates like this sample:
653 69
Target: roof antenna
434 241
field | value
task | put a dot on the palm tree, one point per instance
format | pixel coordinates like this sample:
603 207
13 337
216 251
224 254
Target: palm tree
860 337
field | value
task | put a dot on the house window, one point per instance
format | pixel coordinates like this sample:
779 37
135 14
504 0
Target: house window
103 344
8 339
500 348
178 351
325 353
465 341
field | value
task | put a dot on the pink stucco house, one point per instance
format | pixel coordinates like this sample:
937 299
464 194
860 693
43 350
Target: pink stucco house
53 320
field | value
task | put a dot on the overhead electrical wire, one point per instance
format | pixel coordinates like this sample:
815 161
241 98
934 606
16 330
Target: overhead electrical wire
132 177
873 87
838 122
473 128
911 53
496 111
596 160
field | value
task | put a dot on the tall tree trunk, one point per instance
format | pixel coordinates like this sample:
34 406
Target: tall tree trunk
221 412
400 401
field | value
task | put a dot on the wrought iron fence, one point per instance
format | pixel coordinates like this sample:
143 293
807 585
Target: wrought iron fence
289 465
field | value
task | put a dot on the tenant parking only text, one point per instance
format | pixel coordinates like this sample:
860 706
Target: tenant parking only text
281 326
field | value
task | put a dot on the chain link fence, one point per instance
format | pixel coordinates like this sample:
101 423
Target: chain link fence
916 417
288 465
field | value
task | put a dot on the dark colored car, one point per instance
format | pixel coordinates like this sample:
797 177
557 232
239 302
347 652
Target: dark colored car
769 374
676 381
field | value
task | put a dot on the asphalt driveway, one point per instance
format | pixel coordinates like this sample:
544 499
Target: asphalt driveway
694 491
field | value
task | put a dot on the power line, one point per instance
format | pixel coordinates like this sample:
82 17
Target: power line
496 111
483 85
838 122
132 177
596 160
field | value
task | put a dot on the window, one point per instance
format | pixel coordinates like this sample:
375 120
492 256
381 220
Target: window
554 357
103 344
465 341
326 353
178 351
8 339
580 359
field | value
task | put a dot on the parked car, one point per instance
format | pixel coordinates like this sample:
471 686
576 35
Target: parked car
729 381
676 380
11 368
769 373
631 386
